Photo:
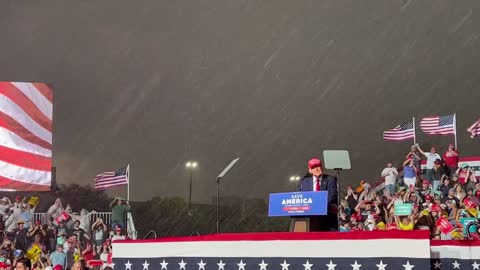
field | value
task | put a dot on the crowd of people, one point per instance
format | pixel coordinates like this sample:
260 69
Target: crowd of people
442 198
60 238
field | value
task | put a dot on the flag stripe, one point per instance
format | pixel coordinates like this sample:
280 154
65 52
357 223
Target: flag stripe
11 140
110 185
23 174
25 159
36 97
474 129
45 91
418 248
14 111
111 179
11 92
12 185
25 136
10 124
400 132
438 125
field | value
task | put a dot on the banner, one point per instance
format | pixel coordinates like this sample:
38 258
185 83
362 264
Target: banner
298 204
403 209
278 251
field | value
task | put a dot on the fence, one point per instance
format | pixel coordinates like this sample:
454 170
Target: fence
107 218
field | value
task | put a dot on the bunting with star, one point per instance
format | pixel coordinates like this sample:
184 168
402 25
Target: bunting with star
383 250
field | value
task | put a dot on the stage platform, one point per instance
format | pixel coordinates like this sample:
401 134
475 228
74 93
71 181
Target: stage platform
387 250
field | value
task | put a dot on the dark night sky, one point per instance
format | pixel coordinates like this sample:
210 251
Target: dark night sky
157 82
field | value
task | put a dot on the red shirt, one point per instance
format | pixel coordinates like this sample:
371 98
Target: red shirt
451 161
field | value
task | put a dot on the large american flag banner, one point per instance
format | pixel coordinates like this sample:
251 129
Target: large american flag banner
25 136
401 132
112 179
278 251
474 129
438 125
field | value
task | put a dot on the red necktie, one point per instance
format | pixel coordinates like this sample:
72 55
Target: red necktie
317 187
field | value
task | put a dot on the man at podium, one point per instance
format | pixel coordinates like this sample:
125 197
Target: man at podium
316 180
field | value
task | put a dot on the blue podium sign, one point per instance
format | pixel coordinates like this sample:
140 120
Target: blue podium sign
313 203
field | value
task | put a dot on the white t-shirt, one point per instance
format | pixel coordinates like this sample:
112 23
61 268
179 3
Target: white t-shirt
431 159
391 175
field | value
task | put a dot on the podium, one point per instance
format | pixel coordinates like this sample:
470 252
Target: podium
302 207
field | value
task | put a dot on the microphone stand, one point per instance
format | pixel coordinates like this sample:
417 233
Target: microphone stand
337 170
218 205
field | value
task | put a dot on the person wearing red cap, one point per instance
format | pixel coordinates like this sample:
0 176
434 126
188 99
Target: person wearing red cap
316 180
451 159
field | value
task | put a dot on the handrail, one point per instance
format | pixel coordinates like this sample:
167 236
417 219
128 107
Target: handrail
132 233
149 233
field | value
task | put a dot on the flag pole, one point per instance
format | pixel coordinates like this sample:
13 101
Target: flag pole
128 182
455 129
414 132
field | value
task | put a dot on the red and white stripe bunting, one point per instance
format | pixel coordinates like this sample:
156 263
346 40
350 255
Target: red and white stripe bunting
25 136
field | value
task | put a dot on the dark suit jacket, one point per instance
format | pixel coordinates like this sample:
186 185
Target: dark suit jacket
328 183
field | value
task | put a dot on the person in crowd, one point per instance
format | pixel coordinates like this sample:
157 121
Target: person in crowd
450 198
118 234
431 156
5 203
425 189
81 235
36 230
438 172
460 193
99 233
58 257
77 266
451 160
20 236
465 174
404 223
62 228
23 264
415 156
70 252
120 208
55 210
410 173
344 226
390 174
445 186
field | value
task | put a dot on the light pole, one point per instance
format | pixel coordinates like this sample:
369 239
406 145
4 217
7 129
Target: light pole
190 165
294 178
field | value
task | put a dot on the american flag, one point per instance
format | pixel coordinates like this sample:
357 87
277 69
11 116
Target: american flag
401 132
25 136
112 179
438 125
474 129
278 251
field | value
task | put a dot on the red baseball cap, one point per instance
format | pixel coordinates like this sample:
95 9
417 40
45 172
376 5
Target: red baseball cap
477 193
58 267
314 163
428 197
435 208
